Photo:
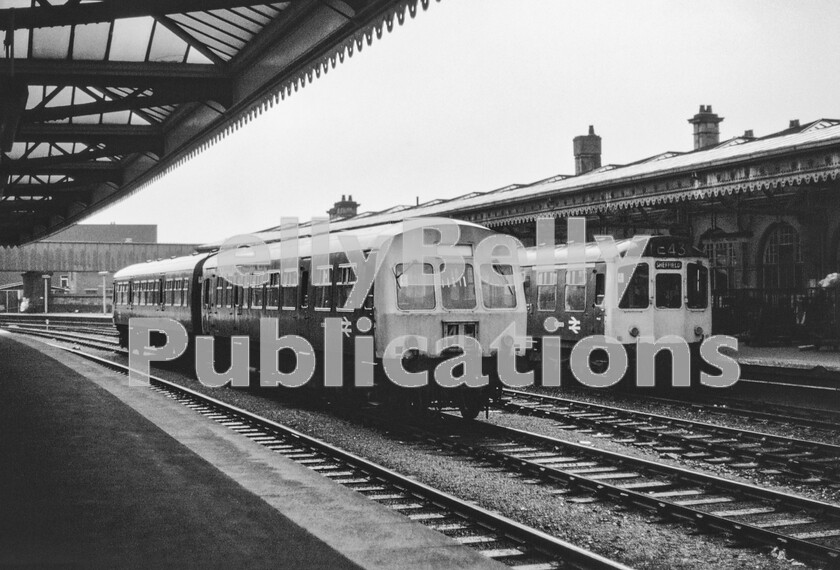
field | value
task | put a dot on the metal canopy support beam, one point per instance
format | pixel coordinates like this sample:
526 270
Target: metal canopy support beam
66 168
115 74
13 97
146 137
46 189
107 11
112 106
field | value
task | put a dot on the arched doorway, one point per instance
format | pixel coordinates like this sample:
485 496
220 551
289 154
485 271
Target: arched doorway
781 258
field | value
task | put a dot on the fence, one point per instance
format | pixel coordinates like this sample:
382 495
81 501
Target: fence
768 315
59 303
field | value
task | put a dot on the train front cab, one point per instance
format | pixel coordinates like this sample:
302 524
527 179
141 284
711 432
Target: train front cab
664 296
476 305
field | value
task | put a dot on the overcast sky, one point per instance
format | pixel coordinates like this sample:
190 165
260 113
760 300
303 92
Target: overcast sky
473 95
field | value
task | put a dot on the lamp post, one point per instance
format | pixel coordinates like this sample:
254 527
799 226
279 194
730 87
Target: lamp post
104 275
46 279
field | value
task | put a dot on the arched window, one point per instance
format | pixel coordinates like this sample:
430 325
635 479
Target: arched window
724 255
781 260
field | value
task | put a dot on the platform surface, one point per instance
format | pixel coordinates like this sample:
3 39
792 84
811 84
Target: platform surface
95 473
788 357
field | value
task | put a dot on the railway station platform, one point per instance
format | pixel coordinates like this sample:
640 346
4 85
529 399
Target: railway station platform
790 358
94 473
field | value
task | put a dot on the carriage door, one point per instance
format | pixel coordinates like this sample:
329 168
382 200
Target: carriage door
159 294
668 297
577 302
240 303
212 299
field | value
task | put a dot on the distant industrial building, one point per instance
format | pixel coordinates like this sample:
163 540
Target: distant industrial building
75 265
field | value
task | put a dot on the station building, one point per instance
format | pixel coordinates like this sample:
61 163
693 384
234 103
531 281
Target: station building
73 266
765 209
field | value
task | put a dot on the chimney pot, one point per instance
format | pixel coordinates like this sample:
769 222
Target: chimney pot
748 134
706 130
346 208
587 149
794 123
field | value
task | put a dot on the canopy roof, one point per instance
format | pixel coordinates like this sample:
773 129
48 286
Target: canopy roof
100 97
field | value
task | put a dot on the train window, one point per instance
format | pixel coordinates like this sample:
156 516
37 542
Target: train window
411 296
272 291
344 284
304 288
697 285
575 290
461 293
185 302
636 294
208 302
668 290
323 284
547 290
600 288
497 289
258 296
289 291
227 294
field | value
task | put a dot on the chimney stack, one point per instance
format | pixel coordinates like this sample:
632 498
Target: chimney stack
587 152
748 134
344 208
706 131
793 123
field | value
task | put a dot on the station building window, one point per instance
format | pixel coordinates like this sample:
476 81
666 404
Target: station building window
781 258
725 259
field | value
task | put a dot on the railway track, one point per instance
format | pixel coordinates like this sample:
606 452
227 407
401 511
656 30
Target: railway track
751 514
808 461
80 339
779 414
494 536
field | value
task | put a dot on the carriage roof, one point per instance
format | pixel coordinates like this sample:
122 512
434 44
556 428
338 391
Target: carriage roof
370 238
160 266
